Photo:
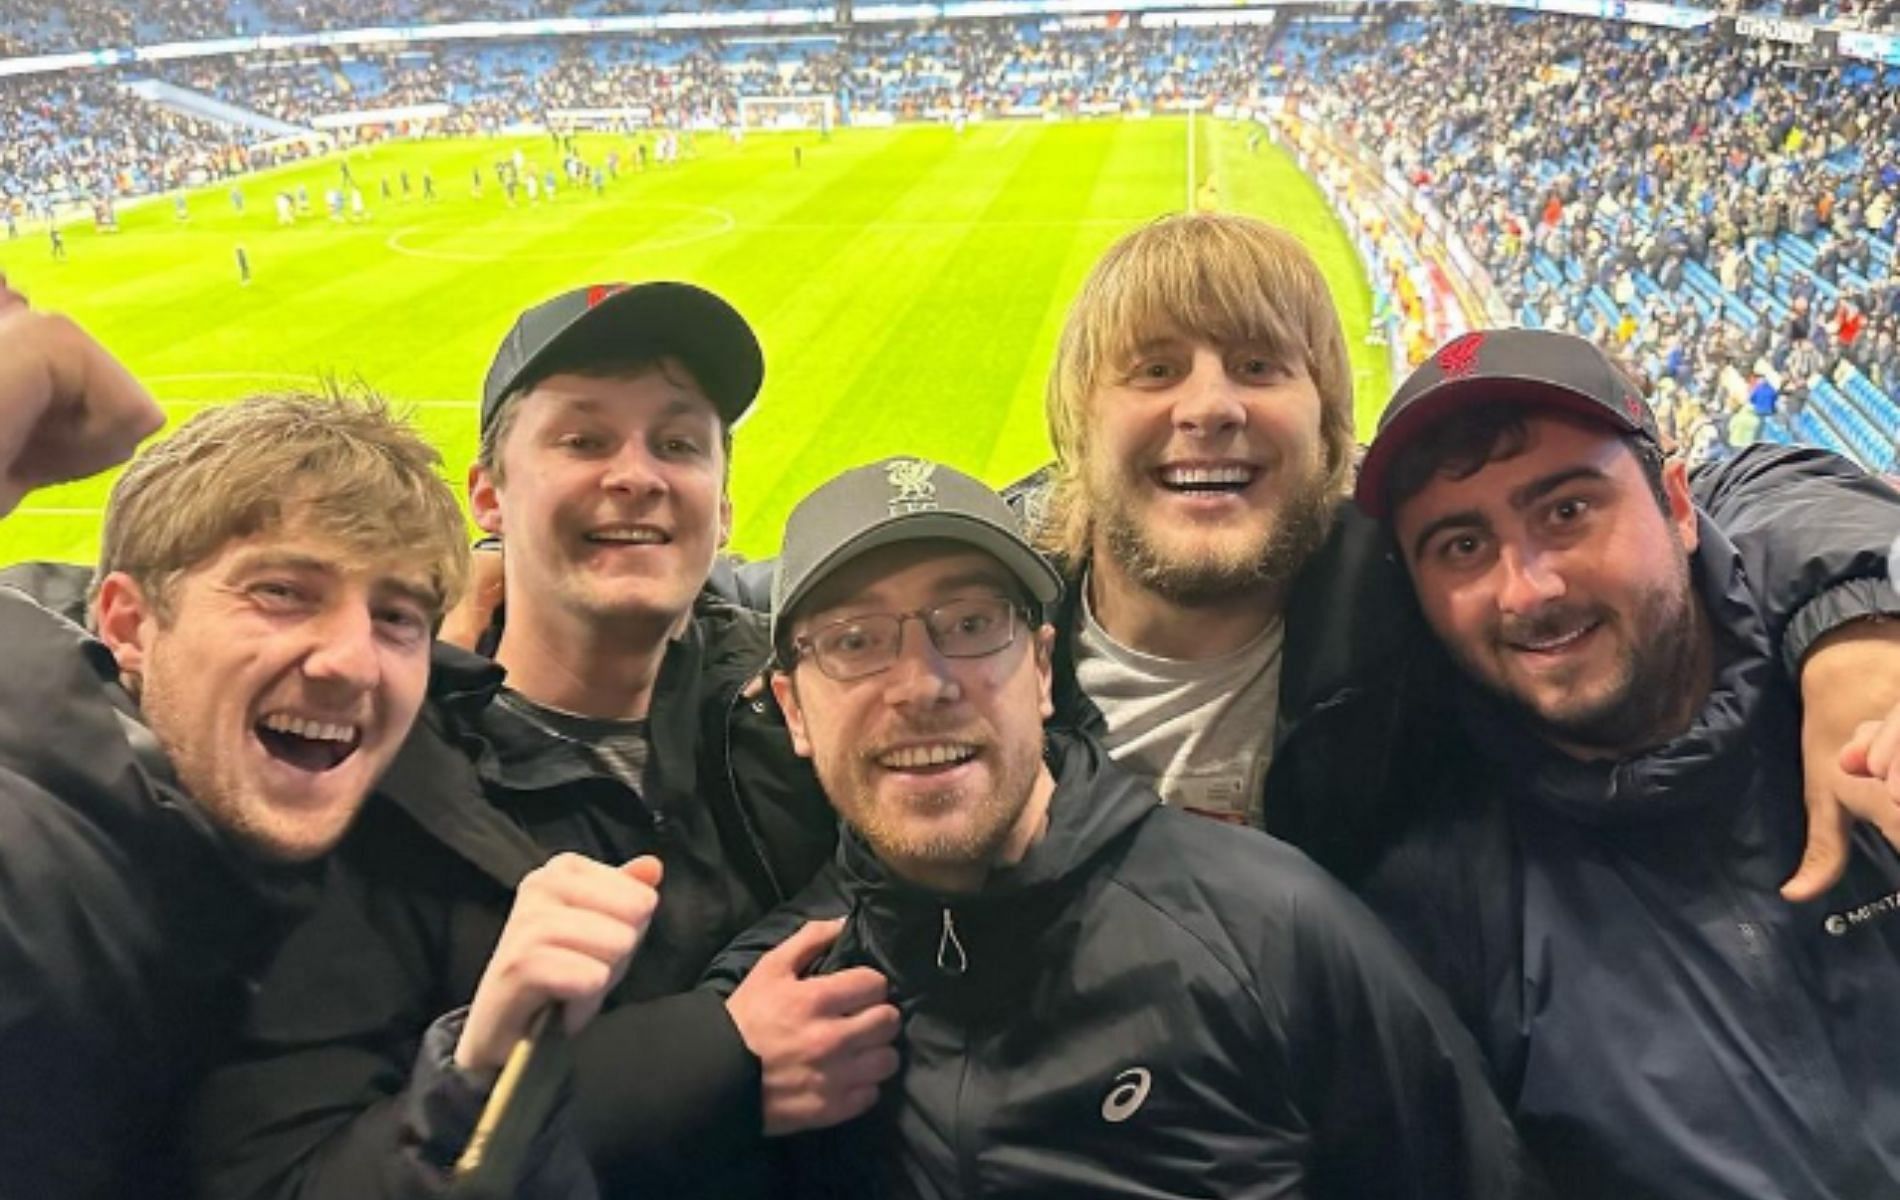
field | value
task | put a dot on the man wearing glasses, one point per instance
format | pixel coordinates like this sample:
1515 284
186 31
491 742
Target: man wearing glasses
1100 996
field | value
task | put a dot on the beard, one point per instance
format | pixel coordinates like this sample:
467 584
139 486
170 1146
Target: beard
900 841
1658 681
1209 574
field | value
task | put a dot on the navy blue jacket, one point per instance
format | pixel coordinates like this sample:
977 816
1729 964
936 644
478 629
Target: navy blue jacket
1661 1022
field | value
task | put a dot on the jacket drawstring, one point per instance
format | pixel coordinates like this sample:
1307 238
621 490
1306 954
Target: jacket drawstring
951 958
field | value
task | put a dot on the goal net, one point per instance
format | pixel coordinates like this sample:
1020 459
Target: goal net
788 112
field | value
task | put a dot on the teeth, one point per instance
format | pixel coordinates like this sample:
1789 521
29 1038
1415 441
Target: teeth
641 536
909 758
1205 476
1556 643
315 731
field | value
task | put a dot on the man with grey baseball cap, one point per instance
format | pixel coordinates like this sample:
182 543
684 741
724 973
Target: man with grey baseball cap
610 725
1102 996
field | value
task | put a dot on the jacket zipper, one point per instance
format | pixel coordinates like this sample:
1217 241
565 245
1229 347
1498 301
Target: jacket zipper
738 801
952 959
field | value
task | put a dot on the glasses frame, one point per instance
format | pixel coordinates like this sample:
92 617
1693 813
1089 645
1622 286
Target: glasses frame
1019 615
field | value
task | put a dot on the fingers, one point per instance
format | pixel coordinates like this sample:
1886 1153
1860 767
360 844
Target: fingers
1883 753
1825 857
570 881
574 926
795 955
872 1029
646 869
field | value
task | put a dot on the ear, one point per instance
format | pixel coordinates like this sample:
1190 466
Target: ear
124 618
786 693
1045 669
1682 513
484 498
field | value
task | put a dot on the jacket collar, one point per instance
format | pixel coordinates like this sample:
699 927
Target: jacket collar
924 939
438 778
1350 616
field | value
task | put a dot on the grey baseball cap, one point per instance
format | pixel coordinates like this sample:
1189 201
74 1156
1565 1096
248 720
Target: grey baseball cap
679 319
898 500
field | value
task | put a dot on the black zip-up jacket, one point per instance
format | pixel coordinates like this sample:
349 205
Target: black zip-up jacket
1147 1005
1663 1025
667 1095
1359 693
128 925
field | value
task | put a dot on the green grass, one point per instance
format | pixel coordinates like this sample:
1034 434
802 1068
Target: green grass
908 286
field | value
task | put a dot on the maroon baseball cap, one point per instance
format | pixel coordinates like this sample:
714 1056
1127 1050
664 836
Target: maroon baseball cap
1532 367
687 322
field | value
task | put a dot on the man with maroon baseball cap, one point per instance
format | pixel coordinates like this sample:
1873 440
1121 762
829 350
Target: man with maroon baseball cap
1614 799
611 724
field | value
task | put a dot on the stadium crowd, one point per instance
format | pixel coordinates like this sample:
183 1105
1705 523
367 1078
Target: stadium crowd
1723 218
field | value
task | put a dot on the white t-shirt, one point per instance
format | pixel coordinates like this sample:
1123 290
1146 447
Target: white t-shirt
1200 732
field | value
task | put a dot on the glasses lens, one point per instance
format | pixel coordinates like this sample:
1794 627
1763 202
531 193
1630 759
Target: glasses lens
848 649
971 628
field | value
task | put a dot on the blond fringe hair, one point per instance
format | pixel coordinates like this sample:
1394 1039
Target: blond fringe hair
1230 279
339 464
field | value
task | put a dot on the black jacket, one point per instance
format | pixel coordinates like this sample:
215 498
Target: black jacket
667 1094
128 925
1661 1022
1361 697
1148 1005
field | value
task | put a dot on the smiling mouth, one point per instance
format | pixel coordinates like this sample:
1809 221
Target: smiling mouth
1557 644
1217 480
928 759
308 745
634 535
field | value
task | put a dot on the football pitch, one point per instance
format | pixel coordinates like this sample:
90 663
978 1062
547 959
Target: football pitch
908 284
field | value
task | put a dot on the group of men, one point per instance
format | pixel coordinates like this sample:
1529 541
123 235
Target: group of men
932 864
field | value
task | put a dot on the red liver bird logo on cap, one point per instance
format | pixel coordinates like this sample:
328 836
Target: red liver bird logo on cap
1460 356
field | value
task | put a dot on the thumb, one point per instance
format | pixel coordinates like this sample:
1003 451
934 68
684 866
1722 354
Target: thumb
793 956
645 869
1825 858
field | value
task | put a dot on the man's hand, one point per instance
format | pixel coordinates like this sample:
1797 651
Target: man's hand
824 1042
574 925
1850 681
67 408
464 624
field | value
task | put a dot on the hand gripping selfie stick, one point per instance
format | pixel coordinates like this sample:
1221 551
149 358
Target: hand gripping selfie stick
492 1165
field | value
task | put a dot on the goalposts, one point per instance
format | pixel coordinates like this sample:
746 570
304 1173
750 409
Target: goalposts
788 112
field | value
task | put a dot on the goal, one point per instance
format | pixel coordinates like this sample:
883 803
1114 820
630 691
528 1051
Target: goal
788 112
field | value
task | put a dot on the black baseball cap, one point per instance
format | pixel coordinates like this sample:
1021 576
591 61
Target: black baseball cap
1531 367
892 501
689 322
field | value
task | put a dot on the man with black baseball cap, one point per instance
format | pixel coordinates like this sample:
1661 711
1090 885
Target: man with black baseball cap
1616 798
610 725
1103 996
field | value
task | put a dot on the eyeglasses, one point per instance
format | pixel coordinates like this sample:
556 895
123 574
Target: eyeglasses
861 646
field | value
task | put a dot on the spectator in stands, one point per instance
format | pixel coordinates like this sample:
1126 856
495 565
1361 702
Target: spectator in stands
1233 633
260 646
1078 1023
1628 802
611 723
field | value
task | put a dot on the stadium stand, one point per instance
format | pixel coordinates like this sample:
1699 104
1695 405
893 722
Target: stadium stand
1722 211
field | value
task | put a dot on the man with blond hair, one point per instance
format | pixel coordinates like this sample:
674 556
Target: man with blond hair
1235 633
